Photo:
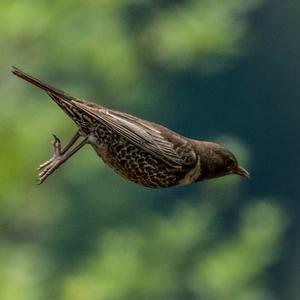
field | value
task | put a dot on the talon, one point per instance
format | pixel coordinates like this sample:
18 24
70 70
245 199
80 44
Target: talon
56 145
56 138
59 157
41 174
43 165
48 166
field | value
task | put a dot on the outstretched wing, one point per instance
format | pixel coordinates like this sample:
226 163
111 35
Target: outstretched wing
154 139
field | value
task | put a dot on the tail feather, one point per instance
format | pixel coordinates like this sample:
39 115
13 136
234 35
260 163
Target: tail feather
67 103
46 87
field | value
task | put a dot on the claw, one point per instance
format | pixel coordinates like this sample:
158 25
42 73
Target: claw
50 165
43 165
59 156
56 145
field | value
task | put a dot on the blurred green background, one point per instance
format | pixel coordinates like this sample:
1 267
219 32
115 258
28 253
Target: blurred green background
226 71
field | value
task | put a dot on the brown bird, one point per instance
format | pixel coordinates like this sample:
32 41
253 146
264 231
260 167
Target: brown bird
141 151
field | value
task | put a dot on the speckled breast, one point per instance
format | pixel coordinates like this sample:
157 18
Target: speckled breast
133 163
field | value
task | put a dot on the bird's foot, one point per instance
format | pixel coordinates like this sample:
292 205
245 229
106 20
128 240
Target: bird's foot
48 167
61 155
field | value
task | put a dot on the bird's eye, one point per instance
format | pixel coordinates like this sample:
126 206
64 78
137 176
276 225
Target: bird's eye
230 163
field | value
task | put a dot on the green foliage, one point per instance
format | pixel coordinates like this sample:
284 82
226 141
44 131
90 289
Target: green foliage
86 233
23 272
183 255
202 34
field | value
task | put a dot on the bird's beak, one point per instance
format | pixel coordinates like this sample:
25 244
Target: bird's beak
242 172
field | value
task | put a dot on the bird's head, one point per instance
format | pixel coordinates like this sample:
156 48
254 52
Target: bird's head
220 162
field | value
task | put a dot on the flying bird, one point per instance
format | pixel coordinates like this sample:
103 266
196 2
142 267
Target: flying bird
146 153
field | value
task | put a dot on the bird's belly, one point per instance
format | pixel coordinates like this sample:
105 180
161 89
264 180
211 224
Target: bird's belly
137 165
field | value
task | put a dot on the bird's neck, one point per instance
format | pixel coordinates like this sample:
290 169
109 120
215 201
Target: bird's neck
205 150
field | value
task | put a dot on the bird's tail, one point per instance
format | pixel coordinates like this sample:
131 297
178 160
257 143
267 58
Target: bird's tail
69 104
46 87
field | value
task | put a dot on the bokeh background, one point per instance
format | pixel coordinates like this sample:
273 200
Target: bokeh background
226 71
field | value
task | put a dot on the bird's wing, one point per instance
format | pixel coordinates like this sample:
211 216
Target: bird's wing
145 135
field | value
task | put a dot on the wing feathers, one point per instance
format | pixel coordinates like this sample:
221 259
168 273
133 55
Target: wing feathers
141 133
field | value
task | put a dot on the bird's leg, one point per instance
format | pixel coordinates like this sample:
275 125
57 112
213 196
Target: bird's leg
73 140
57 148
60 155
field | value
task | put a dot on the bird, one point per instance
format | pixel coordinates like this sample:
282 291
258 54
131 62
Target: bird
141 151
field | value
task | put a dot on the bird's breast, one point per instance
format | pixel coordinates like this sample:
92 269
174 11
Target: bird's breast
137 165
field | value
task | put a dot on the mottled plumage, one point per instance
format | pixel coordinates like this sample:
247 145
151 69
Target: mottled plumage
141 151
